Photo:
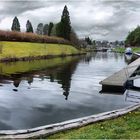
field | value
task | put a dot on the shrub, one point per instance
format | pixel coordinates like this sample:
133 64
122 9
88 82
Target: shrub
30 37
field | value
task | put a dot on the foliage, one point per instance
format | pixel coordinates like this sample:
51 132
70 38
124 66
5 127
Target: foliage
88 40
133 38
94 43
39 29
64 26
74 39
50 28
30 37
29 27
45 29
15 25
53 31
58 29
24 49
125 127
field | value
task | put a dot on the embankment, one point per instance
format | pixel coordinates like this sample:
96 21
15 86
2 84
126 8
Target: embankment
122 50
21 51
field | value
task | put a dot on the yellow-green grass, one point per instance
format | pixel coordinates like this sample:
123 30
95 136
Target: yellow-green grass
28 66
25 49
122 50
124 127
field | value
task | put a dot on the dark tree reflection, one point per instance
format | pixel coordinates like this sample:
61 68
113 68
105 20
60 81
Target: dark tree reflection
64 77
61 74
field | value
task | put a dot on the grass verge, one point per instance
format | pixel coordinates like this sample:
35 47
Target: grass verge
122 50
10 50
124 127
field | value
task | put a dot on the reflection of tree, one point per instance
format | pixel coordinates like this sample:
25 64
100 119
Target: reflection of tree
105 55
101 55
116 56
18 78
61 73
30 79
64 77
16 82
51 78
88 57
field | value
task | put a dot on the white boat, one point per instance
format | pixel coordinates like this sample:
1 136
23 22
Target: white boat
128 51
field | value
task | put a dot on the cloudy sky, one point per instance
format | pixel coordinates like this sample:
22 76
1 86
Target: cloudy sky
99 19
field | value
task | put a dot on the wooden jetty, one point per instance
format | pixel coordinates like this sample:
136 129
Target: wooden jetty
119 80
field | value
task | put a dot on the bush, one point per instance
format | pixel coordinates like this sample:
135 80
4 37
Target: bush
30 37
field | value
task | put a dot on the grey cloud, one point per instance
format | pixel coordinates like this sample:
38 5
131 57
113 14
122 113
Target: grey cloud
100 19
18 7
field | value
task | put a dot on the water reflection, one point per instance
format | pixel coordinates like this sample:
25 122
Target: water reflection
61 74
128 58
34 93
64 77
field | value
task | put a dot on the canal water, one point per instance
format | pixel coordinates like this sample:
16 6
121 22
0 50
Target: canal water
43 92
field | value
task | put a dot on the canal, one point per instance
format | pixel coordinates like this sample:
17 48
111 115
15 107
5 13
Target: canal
49 91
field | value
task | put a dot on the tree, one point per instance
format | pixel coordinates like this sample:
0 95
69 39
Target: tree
45 29
39 29
53 31
50 28
74 39
15 25
29 27
64 26
59 30
133 38
94 43
88 40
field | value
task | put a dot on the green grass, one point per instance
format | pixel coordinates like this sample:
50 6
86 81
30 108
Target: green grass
24 49
122 50
125 127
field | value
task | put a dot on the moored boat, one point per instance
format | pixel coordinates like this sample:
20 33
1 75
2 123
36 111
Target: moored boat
128 51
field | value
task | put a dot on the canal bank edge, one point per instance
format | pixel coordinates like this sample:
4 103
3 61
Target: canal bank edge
59 127
25 51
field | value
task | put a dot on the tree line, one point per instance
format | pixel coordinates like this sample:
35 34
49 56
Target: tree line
41 29
133 38
62 29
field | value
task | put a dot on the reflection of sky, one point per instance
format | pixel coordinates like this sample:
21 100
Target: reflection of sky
42 102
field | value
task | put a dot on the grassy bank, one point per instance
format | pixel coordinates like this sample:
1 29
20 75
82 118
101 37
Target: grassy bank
122 50
10 50
125 127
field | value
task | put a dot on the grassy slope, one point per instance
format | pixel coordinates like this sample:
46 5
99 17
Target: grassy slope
125 127
122 50
24 49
